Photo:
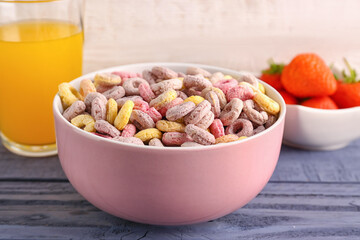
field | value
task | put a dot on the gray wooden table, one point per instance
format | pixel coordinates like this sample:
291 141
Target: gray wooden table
311 195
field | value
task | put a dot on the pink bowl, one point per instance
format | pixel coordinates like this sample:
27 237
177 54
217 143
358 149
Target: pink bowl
167 186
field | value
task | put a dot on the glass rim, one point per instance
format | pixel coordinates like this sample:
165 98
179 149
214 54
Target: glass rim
28 1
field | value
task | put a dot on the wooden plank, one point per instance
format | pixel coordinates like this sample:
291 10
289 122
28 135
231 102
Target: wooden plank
32 210
294 165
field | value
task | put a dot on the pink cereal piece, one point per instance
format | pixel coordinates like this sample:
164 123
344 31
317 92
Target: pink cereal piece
198 82
270 121
243 92
101 88
102 135
240 127
155 142
141 105
75 109
206 121
125 75
213 98
199 135
149 77
114 92
145 92
131 85
129 130
163 73
180 111
98 109
196 71
182 95
90 97
175 138
103 126
154 114
133 140
259 129
226 84
120 102
217 128
191 144
141 119
171 104
259 116
231 111
198 113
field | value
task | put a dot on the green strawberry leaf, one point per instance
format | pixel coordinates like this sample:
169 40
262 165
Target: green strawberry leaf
351 78
275 68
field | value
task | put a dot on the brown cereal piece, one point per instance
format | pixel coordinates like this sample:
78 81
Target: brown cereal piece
131 86
215 77
191 144
165 85
133 140
213 98
90 98
114 92
75 109
180 111
198 113
149 77
249 78
198 82
219 93
155 142
163 73
141 120
258 117
198 71
121 101
241 127
231 111
272 119
206 121
182 95
98 109
103 126
199 135
259 129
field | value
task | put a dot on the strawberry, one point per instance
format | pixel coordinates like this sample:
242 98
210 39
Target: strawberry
320 102
348 90
272 75
289 99
307 75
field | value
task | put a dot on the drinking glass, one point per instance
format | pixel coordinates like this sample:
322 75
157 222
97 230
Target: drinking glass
40 47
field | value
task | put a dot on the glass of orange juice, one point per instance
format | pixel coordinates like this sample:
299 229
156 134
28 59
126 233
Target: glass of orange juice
40 47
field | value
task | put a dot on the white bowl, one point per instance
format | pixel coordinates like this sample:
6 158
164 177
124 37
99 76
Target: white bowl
319 129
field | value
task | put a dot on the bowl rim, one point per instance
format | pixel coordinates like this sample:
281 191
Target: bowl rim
326 111
280 119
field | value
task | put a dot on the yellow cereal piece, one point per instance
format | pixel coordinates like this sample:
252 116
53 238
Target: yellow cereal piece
268 104
106 79
124 115
68 94
226 138
86 87
228 77
262 88
84 121
163 99
242 137
194 99
180 120
111 110
148 134
168 126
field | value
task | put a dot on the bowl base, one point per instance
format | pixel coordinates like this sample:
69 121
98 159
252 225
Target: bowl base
316 148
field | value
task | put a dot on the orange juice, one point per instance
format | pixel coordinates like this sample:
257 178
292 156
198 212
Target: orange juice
35 56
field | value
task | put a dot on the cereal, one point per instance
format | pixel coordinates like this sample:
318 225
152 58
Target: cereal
90 98
179 111
241 127
191 144
124 114
149 76
231 111
242 92
163 99
148 134
226 138
197 81
213 98
219 93
194 99
182 95
198 71
269 105
175 138
192 92
155 142
145 92
258 117
131 86
154 114
270 121
111 110
75 109
168 126
259 129
101 88
199 135
129 130
125 75
98 109
217 128
86 87
106 80
206 121
121 101
103 126
68 94
166 85
171 104
226 84
262 88
141 105
249 78
84 121
198 113
116 92
215 77
163 73
102 135
132 140
141 119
